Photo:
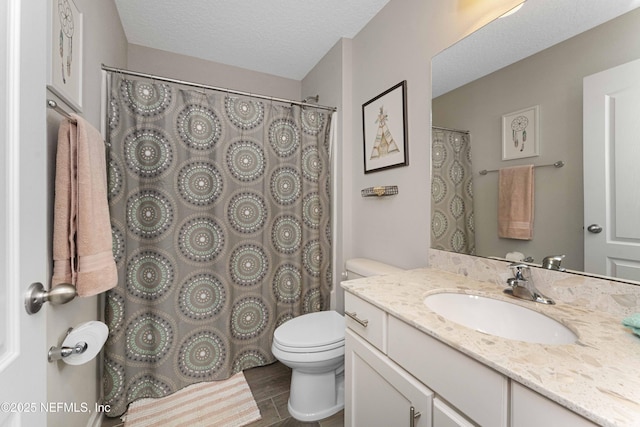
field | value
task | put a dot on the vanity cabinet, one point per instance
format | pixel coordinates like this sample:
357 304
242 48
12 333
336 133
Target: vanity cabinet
391 366
378 392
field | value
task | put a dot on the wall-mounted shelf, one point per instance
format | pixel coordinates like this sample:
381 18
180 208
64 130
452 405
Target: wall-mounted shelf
389 190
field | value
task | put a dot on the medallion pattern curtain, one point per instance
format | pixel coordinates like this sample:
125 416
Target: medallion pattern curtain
452 222
220 210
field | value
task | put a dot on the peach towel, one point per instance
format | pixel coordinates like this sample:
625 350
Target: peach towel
515 202
82 245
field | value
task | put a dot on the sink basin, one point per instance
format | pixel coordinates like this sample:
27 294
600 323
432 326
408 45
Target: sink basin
499 318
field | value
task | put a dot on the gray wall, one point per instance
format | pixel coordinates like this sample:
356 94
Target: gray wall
104 42
551 79
168 64
397 44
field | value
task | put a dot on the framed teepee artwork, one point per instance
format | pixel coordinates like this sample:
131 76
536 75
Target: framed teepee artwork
520 133
384 121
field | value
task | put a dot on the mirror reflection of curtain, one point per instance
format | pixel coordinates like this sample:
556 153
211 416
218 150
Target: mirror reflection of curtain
452 222
221 232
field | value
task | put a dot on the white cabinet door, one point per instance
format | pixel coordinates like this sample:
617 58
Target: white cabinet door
380 393
611 103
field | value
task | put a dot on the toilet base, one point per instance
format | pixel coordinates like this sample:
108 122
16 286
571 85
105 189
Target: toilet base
310 408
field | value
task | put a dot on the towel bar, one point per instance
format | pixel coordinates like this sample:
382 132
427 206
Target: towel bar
36 296
558 164
54 106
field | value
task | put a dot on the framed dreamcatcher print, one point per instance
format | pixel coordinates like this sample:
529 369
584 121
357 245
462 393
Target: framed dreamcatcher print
520 133
64 61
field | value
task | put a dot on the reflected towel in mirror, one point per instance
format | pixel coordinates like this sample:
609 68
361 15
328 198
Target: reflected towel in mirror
516 202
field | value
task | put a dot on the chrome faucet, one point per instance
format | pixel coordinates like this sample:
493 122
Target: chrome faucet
521 285
552 262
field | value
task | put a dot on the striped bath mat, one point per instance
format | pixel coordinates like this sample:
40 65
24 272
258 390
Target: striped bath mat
227 403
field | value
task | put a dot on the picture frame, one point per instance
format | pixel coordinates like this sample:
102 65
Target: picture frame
384 128
64 61
520 133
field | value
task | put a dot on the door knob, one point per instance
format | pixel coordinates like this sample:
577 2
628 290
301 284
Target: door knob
37 295
594 228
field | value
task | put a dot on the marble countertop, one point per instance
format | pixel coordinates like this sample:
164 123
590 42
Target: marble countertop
597 377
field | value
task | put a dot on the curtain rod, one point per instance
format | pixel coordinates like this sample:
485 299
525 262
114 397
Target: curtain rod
450 130
219 89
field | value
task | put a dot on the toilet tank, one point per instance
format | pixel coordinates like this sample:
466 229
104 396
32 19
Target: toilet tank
363 267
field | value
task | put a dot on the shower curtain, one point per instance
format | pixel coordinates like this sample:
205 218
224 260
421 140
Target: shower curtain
220 209
452 223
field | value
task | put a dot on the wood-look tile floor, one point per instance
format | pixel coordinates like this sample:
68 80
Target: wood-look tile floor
270 387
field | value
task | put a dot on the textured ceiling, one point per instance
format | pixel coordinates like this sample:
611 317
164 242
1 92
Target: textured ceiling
285 38
538 25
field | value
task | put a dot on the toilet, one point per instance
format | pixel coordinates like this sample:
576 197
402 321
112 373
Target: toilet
312 345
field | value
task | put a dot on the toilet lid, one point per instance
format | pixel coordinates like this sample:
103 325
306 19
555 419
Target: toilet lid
321 329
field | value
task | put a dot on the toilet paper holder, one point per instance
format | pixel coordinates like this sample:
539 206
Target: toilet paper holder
81 344
59 353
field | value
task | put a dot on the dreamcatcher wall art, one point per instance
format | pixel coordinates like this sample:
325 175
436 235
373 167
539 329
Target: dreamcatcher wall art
65 58
520 134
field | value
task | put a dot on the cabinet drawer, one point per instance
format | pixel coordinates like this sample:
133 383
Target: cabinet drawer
474 389
366 320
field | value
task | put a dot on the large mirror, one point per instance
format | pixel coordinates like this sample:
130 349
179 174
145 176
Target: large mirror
532 64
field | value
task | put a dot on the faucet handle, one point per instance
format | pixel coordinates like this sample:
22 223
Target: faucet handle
552 262
519 270
518 265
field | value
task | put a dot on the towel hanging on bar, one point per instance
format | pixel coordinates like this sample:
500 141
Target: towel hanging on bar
82 241
516 202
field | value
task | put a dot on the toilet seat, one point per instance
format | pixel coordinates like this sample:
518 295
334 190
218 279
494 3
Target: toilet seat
318 349
311 333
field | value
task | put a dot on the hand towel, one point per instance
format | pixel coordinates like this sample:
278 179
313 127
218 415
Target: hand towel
633 322
515 202
82 245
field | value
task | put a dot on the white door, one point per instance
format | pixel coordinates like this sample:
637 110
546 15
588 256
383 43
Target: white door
23 215
611 108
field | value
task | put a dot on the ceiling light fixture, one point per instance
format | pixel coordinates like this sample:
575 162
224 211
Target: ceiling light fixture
513 10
